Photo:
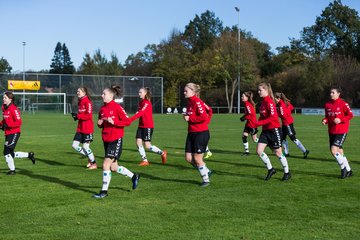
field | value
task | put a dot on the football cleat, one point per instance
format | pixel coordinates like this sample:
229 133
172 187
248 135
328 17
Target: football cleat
208 154
210 173
269 174
245 154
306 153
11 172
164 157
287 155
102 194
31 156
92 166
286 176
144 163
343 173
205 184
349 173
88 164
135 181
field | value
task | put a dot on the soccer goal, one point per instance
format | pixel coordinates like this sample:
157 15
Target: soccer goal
35 102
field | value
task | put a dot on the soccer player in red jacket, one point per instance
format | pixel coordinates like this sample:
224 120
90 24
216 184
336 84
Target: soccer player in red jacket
271 132
250 117
198 132
337 117
112 120
11 124
146 127
284 111
85 127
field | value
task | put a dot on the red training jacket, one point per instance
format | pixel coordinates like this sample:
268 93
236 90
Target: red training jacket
338 109
250 115
145 114
285 113
85 124
268 116
111 132
11 119
209 112
196 110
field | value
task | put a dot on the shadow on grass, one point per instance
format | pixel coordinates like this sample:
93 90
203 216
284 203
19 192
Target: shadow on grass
146 175
56 180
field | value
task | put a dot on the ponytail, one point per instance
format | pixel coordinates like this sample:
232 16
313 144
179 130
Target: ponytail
250 95
267 87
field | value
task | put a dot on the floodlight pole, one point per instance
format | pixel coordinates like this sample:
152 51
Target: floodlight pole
238 70
23 102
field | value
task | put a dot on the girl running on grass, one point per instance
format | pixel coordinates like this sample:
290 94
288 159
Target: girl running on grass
250 117
112 119
198 132
146 127
85 128
284 111
11 125
337 117
271 132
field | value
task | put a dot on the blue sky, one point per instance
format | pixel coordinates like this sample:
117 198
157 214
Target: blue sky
125 27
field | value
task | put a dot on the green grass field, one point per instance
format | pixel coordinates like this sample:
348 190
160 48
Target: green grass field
53 198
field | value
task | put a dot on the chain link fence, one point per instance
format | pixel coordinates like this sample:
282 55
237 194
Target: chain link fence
66 83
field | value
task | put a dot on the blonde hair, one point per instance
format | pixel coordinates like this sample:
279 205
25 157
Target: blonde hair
148 94
250 95
267 87
194 87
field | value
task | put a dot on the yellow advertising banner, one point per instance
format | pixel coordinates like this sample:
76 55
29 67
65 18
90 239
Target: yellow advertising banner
23 85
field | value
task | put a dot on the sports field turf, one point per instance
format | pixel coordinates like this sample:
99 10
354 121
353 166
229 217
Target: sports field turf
53 198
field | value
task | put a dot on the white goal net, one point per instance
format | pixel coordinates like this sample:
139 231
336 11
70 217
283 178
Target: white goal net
35 102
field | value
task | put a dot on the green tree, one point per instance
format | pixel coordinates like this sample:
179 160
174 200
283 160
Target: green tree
99 65
336 31
201 32
142 63
4 65
61 62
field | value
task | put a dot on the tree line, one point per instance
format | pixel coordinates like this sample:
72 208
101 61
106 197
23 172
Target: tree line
206 52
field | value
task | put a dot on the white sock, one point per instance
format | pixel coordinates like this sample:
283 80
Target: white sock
339 158
124 171
77 148
106 180
284 163
155 149
21 154
142 152
285 146
346 163
10 162
89 153
299 145
246 146
266 161
204 173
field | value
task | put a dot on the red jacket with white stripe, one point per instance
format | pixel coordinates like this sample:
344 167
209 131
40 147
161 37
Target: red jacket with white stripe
338 109
85 117
145 114
268 116
111 132
250 115
198 117
11 119
285 112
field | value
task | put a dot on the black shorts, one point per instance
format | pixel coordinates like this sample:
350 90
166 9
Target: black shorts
250 130
145 134
271 137
113 149
83 138
196 142
11 140
337 139
288 131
